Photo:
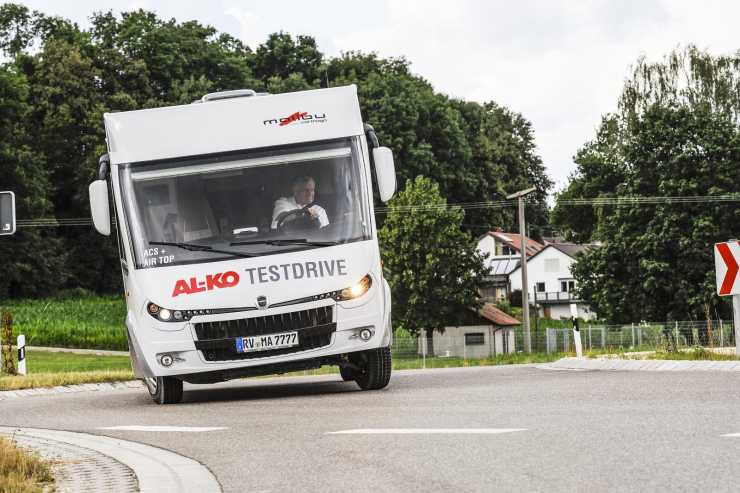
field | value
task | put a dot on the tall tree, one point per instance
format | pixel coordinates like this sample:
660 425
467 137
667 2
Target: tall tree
137 60
675 134
32 258
434 270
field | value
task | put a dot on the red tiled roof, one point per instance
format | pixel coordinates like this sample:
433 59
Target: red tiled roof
514 241
498 317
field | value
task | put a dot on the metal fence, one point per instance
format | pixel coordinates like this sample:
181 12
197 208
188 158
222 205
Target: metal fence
450 350
645 336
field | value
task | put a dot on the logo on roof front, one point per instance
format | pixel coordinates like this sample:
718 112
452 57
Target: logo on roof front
299 118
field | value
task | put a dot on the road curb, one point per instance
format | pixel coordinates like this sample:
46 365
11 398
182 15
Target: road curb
156 469
68 389
612 364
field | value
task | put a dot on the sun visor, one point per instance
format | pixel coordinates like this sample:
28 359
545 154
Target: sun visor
233 124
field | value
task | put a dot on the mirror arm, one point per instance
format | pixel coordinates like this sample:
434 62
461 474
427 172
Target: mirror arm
371 136
104 167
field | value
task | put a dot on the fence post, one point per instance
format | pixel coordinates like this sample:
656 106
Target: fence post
590 346
603 337
633 335
6 343
721 334
675 331
639 335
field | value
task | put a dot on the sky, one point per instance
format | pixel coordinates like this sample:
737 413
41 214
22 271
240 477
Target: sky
560 63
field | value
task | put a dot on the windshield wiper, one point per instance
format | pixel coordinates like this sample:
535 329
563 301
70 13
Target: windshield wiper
192 247
284 242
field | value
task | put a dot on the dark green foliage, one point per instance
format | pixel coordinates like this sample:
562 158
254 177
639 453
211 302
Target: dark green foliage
433 269
60 80
677 134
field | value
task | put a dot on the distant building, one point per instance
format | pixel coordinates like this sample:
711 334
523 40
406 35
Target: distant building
503 258
551 282
486 332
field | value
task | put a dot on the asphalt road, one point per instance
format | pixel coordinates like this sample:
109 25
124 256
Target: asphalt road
581 431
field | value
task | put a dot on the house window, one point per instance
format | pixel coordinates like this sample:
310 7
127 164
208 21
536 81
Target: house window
507 250
540 287
567 286
474 339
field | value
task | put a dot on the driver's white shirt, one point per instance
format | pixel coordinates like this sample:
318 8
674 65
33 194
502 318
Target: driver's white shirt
285 204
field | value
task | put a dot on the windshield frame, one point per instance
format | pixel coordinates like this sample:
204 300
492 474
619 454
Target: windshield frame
254 158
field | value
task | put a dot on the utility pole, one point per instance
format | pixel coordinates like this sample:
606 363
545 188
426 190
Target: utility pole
523 251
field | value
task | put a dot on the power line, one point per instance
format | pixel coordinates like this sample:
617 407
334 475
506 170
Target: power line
500 204
690 199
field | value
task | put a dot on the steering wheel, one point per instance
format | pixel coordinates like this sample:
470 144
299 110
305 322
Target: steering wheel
300 213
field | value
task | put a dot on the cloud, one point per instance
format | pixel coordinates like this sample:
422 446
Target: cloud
561 64
252 32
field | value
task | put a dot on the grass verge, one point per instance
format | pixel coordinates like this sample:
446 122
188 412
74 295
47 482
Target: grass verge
418 363
50 369
38 380
21 471
694 353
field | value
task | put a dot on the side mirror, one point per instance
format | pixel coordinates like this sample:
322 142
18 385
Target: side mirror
385 172
99 206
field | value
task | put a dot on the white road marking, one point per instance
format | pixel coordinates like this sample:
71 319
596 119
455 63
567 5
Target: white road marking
732 435
426 431
178 429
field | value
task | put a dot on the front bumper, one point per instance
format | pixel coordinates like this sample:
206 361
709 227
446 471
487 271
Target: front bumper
213 359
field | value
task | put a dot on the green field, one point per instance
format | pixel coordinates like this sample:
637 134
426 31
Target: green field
89 322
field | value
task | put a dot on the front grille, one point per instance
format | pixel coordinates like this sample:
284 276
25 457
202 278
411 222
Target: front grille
217 342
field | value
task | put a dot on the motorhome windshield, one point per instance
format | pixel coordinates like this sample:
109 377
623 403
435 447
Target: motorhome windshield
263 204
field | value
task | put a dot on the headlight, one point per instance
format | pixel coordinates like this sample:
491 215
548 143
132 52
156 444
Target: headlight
167 315
356 290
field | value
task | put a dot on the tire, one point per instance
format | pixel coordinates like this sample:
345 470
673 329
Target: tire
165 390
348 374
376 368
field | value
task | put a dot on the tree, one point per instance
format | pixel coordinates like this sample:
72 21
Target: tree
656 261
433 268
675 134
136 60
32 258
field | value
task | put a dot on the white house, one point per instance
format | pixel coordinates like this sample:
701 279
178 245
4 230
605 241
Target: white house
551 283
503 258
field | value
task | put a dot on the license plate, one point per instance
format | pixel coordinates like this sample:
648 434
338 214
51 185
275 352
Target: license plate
266 342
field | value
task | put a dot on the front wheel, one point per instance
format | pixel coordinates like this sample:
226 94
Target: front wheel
348 374
375 368
164 390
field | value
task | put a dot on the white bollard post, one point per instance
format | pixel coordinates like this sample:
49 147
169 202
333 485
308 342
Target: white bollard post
675 331
21 354
424 352
576 330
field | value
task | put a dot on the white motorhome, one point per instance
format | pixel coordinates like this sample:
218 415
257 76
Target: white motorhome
247 237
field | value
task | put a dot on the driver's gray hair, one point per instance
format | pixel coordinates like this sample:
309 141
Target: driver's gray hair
302 180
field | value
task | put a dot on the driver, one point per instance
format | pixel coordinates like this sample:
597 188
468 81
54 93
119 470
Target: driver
304 189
